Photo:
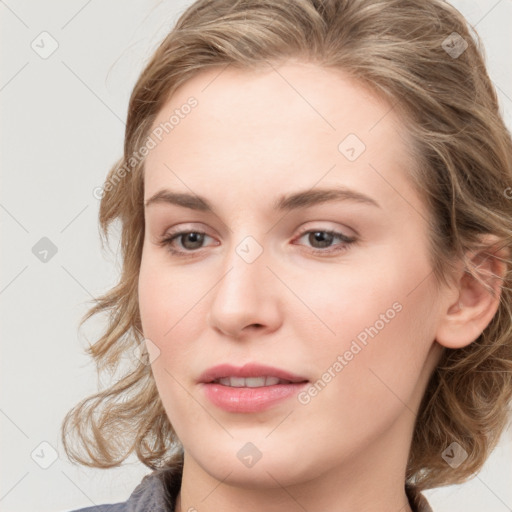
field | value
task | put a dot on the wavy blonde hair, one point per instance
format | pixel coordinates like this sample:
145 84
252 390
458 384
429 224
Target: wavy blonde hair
464 173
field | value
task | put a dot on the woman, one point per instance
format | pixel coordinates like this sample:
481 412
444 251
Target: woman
316 232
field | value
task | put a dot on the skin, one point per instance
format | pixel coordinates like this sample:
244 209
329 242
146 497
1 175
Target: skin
254 136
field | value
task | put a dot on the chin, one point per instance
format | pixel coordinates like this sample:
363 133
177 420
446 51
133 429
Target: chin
260 464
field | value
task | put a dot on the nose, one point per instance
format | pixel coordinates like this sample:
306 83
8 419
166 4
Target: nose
246 299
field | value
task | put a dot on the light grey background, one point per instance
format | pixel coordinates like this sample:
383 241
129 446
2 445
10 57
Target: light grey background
62 121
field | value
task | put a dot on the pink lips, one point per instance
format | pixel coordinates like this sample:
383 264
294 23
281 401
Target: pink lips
249 399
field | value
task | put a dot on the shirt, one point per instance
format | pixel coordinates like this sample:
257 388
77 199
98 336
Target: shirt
150 495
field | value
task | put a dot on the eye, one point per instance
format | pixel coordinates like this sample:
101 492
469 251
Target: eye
321 240
190 242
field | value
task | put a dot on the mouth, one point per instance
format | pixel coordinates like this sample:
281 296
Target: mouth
250 375
249 388
250 382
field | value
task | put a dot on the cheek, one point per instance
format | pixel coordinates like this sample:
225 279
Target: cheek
173 312
167 299
166 303
386 375
371 344
343 303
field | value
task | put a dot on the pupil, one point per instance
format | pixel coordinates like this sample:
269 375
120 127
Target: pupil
195 239
321 236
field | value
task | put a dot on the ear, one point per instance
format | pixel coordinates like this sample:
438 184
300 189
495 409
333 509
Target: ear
473 300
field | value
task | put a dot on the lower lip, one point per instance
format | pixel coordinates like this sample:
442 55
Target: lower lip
250 399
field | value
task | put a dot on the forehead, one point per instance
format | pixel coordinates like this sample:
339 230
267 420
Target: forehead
288 126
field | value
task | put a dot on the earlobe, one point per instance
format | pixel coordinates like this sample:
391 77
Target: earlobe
477 295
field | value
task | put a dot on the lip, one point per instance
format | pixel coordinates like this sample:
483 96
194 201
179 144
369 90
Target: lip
248 399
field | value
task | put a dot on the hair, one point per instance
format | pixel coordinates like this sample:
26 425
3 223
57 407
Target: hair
463 152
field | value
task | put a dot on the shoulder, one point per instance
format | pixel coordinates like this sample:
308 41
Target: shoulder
148 496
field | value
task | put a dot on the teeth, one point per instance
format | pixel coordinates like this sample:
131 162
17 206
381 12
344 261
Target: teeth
250 382
237 382
254 382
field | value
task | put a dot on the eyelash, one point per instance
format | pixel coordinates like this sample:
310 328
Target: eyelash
168 239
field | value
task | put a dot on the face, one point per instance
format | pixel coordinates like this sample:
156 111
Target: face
322 303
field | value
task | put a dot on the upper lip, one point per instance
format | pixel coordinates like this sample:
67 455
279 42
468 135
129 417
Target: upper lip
247 370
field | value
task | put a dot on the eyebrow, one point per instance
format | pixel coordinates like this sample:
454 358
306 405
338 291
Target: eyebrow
293 201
